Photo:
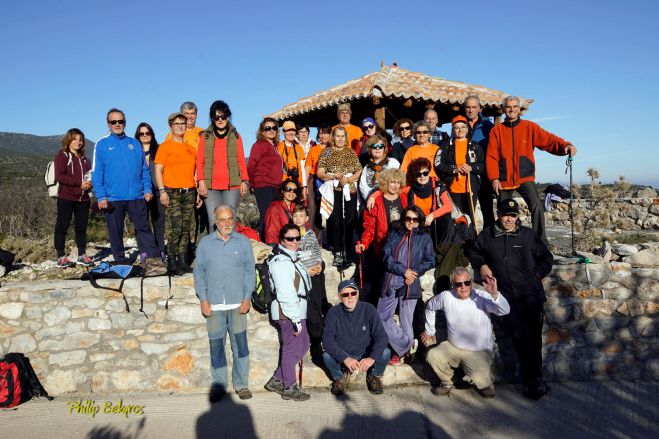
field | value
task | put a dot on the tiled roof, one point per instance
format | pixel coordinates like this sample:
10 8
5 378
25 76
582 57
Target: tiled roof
395 82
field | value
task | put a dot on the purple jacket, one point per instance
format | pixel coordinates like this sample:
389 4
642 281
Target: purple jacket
69 171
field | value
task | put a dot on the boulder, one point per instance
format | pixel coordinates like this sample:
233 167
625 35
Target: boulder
644 258
624 249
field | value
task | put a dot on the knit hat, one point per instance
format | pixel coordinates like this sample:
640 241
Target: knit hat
458 119
368 120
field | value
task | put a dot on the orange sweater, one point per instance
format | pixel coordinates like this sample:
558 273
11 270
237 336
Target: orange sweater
510 151
414 152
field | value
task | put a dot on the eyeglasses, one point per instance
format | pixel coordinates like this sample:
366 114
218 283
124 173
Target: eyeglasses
423 174
290 189
145 133
347 294
368 127
179 124
292 238
512 215
422 132
378 146
221 117
118 121
466 283
412 219
406 128
270 128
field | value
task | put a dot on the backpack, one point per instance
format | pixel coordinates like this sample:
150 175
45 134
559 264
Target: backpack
18 381
52 185
264 293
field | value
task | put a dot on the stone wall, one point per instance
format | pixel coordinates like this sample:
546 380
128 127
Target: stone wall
81 339
627 214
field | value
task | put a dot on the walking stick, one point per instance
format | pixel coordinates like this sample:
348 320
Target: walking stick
568 167
471 204
301 367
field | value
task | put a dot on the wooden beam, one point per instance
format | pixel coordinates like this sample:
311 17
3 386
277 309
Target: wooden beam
430 106
380 117
376 101
408 103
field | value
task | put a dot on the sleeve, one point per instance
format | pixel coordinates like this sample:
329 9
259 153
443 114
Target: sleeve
273 223
98 173
476 252
283 273
390 262
242 165
379 338
329 337
428 255
406 159
547 141
447 205
201 274
442 168
254 156
161 155
200 162
499 307
432 306
492 158
250 270
544 260
146 174
364 189
61 168
478 166
370 220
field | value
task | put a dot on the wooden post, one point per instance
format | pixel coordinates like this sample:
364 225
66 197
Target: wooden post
380 116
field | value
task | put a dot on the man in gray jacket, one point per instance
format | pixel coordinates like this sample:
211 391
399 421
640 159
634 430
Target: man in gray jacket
224 278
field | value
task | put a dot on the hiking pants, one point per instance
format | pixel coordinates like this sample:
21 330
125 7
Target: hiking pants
524 326
264 198
80 211
401 337
293 349
340 230
235 324
136 210
337 369
179 219
156 213
476 364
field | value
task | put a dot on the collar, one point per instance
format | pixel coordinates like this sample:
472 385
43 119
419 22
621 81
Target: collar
512 124
498 230
219 238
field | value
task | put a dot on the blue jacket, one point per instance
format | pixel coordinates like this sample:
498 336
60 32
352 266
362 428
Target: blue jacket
421 258
358 334
290 301
120 172
480 133
224 271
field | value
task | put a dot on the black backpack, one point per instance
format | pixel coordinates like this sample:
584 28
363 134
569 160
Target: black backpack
18 382
264 294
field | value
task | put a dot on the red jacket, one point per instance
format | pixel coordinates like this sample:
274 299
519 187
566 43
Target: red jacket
247 231
510 151
275 218
265 166
375 224
69 175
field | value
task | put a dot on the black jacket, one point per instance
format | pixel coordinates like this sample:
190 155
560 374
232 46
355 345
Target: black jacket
518 260
445 163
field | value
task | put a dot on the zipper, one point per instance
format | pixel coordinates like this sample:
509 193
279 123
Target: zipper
512 174
505 259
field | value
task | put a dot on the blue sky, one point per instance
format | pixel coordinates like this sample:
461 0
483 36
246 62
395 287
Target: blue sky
592 67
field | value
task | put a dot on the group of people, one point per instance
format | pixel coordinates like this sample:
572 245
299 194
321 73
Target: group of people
390 205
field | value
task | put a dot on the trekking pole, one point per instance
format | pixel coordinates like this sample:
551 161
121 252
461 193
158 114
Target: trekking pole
301 367
471 204
568 167
361 271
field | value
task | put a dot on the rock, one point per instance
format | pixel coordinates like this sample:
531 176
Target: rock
651 223
648 289
605 251
23 343
65 294
128 380
3 270
591 276
7 331
624 249
169 382
154 348
12 310
606 323
643 326
78 313
182 361
80 340
185 314
122 320
60 381
99 324
57 315
64 359
644 258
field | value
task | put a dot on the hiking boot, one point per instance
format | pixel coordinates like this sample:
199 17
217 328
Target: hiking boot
374 384
216 393
395 360
183 265
244 393
153 267
173 267
85 261
409 357
340 386
295 394
65 262
441 390
535 391
487 392
274 385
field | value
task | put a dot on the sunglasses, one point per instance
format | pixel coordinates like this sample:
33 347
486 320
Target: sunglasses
348 294
466 283
118 121
220 117
412 219
145 133
289 130
378 146
422 132
406 128
292 238
368 127
270 128
290 189
423 174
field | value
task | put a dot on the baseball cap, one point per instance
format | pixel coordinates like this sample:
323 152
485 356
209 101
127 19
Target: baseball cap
508 206
348 283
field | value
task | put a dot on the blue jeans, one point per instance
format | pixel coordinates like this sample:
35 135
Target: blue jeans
235 323
336 369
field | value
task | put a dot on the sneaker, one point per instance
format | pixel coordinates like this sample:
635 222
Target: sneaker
340 386
65 262
85 261
374 384
216 393
153 267
441 390
295 394
409 357
274 385
536 391
487 392
244 393
395 360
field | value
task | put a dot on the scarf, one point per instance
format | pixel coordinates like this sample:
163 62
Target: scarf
422 190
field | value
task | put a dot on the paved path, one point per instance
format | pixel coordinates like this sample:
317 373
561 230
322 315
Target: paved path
570 410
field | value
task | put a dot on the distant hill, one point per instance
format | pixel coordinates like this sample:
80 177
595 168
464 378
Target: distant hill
29 144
